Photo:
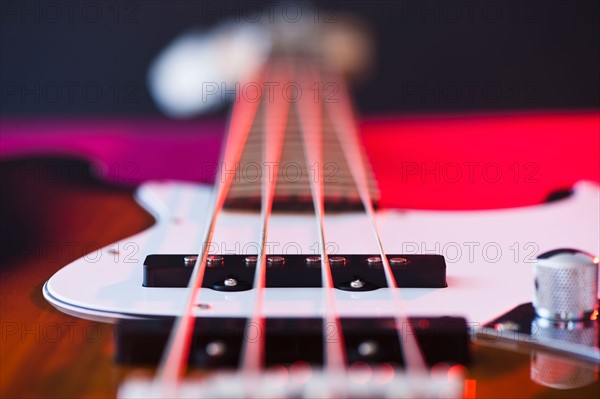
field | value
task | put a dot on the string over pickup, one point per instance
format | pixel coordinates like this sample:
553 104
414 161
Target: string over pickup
217 342
350 272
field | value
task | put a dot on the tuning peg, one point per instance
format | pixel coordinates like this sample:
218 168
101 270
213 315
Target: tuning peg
198 70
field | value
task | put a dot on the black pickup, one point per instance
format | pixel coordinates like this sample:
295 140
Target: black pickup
217 342
350 272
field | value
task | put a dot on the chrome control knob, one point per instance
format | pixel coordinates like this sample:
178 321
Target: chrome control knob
566 285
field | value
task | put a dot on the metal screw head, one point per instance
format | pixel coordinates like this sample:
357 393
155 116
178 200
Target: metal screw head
214 260
398 261
358 283
190 260
276 260
368 348
337 261
215 348
230 282
374 260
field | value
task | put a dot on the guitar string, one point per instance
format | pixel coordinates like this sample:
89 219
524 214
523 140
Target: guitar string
175 357
345 128
275 114
310 113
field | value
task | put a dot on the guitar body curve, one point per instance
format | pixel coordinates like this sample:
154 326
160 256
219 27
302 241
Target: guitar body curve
489 257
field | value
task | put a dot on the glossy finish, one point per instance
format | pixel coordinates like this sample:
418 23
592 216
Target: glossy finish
37 364
61 221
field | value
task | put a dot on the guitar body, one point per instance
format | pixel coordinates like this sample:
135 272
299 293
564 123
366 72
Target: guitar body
96 229
46 353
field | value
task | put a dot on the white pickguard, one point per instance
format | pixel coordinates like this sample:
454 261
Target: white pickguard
489 257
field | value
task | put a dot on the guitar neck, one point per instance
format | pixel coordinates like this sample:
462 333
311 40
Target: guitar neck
293 171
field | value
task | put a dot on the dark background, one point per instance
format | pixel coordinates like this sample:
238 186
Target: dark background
90 58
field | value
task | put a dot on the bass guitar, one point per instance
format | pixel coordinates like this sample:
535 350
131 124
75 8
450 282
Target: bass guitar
293 275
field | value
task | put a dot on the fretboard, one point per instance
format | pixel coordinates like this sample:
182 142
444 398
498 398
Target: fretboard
293 173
